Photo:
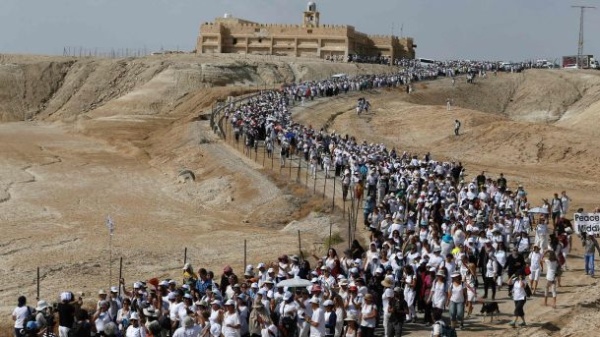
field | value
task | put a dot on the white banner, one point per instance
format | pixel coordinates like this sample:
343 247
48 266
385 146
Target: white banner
587 223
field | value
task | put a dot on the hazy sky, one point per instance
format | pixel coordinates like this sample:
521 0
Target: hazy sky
443 29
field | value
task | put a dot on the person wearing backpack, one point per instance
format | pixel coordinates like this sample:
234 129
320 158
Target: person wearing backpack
21 314
439 328
82 326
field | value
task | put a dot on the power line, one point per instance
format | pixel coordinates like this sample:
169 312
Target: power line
580 43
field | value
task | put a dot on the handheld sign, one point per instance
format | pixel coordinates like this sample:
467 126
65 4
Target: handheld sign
587 223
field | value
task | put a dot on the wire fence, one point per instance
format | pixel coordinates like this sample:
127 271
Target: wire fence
80 51
295 169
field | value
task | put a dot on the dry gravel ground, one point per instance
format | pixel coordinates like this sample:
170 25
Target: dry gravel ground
110 136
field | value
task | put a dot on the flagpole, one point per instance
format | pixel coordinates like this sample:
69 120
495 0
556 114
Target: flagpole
110 259
111 227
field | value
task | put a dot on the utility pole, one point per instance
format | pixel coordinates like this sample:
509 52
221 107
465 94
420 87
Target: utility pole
580 43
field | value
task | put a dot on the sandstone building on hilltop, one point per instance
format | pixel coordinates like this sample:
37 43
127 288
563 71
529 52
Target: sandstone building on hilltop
310 39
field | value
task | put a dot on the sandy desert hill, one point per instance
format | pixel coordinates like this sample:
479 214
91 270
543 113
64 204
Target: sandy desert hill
106 136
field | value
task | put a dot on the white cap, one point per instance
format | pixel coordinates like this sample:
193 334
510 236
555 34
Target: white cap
314 300
65 296
134 315
327 303
230 302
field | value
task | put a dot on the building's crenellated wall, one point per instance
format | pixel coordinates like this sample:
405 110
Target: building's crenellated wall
234 35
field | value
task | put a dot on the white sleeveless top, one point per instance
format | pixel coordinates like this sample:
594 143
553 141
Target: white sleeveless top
457 295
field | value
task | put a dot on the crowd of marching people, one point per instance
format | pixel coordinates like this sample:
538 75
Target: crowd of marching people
438 244
436 249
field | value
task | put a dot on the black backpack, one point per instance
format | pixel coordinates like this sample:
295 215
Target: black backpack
80 329
30 316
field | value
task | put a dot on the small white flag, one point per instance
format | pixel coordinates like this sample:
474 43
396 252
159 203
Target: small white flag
110 225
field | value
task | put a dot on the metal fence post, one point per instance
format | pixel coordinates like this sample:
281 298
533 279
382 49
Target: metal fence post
333 203
324 185
307 169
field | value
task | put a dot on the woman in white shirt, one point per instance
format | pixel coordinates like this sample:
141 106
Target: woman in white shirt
231 321
437 296
124 313
135 329
368 316
519 297
410 283
501 256
535 267
457 295
552 266
333 262
340 314
470 283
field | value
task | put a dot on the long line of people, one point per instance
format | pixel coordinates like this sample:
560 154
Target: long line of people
434 234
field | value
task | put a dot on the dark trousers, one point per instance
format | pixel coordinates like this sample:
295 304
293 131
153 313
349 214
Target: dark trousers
519 311
428 318
367 332
345 191
436 311
394 329
489 282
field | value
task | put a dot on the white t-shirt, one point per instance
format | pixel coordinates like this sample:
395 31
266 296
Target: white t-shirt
135 332
385 298
174 310
101 321
551 268
457 295
214 315
189 332
535 259
20 313
439 295
318 315
435 261
501 257
519 291
231 319
542 229
367 309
